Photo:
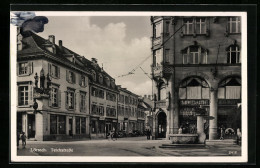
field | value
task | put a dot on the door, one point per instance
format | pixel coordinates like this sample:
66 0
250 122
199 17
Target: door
31 126
161 125
70 126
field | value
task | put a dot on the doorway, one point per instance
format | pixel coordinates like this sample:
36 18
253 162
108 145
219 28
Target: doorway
31 126
162 125
70 126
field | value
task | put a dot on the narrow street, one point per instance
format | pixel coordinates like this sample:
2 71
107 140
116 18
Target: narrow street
131 146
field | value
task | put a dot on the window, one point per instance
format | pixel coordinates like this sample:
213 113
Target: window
93 126
25 68
54 70
57 124
195 55
100 79
94 91
53 124
82 81
167 28
234 25
188 26
70 99
94 109
82 101
101 110
83 125
24 95
230 88
233 54
101 94
54 97
157 57
194 88
167 56
157 30
200 26
77 125
71 76
94 75
107 81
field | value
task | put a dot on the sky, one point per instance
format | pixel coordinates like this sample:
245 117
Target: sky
120 43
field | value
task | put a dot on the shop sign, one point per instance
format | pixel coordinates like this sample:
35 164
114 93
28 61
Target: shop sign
228 101
194 102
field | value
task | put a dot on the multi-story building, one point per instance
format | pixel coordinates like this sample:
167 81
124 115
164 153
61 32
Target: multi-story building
142 109
127 110
103 100
52 90
196 62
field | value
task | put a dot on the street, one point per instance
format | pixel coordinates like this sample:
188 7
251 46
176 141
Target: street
130 146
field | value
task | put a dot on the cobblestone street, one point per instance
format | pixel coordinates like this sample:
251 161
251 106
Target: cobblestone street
132 146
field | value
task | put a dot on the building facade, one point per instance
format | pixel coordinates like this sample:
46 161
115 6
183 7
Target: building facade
127 110
103 100
196 62
52 90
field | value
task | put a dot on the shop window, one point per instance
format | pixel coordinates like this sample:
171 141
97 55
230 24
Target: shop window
53 124
77 125
194 88
93 126
25 68
233 54
101 126
234 25
194 55
62 124
83 125
230 89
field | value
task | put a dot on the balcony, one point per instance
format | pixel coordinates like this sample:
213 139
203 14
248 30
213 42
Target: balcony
157 41
162 70
157 71
160 104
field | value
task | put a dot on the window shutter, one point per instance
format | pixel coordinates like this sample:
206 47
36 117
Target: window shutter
80 80
75 101
58 72
50 99
199 56
30 97
49 69
59 98
67 75
66 99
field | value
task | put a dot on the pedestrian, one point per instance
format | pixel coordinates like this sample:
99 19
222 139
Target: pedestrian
18 139
238 136
221 134
148 134
23 137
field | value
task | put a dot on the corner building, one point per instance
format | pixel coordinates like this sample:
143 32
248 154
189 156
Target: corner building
196 62
52 90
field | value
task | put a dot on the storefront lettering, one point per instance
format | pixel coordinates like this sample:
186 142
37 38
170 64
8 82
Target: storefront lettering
228 101
193 102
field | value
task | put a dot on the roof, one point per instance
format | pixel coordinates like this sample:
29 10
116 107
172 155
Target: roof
34 45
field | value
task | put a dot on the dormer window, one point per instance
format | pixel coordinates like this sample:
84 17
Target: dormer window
113 83
100 78
94 75
107 81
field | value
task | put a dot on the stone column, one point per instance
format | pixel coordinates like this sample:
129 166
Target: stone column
200 130
214 113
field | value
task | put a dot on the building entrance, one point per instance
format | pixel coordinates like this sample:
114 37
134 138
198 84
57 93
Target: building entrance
162 125
31 126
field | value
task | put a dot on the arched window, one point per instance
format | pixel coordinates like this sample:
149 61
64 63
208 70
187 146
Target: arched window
233 54
194 88
195 54
230 88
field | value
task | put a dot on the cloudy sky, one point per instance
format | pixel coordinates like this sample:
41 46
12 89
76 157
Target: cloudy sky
120 43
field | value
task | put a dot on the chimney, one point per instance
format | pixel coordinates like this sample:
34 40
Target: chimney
52 39
94 60
60 43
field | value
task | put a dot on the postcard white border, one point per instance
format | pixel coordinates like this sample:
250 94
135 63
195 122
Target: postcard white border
166 159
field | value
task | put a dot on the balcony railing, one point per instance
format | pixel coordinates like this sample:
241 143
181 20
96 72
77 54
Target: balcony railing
157 41
157 70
